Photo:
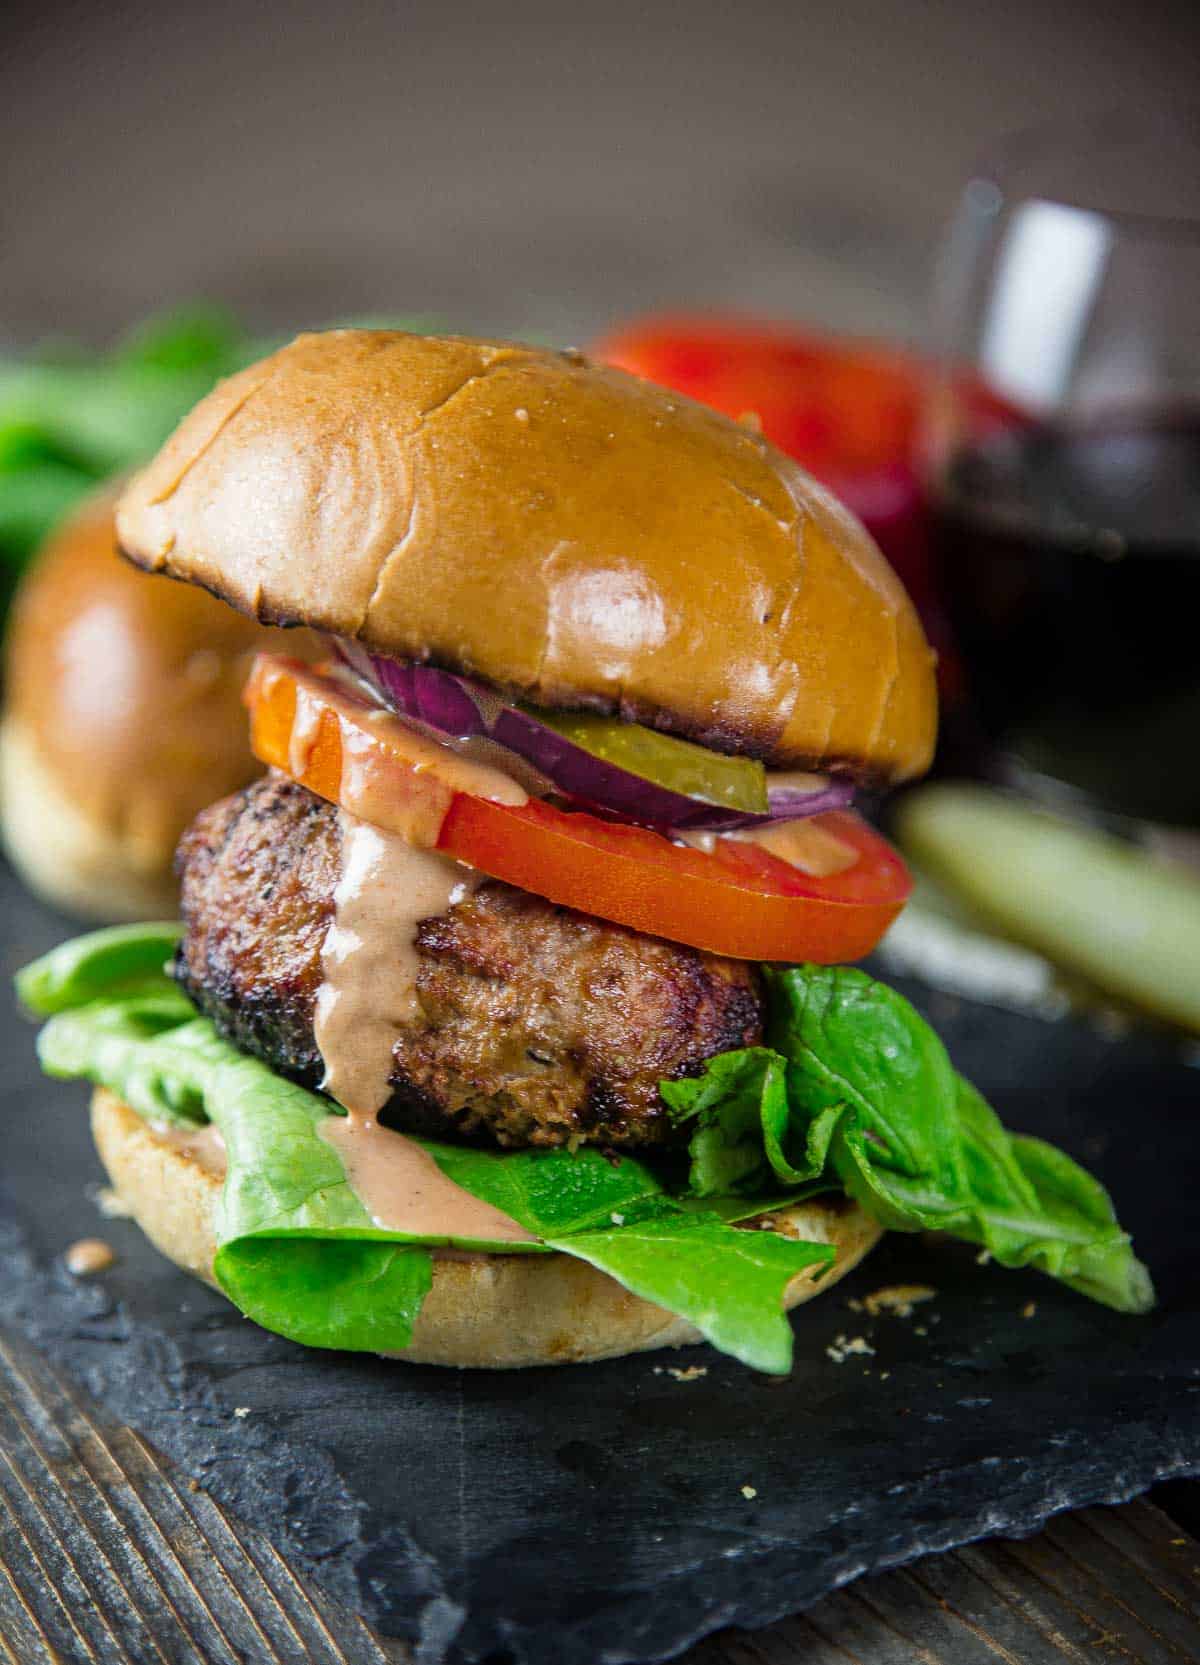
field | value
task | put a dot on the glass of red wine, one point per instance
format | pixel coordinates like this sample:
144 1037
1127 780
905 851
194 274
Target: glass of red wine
1064 463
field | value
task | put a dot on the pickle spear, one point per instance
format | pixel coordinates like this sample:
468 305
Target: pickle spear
734 783
1128 923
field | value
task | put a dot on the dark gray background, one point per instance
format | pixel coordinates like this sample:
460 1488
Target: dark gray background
527 167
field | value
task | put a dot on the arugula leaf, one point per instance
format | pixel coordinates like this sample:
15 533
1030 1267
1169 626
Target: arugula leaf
740 1107
920 1148
854 1043
1089 1250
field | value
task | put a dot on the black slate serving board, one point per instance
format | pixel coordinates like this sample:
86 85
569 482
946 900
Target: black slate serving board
603 1513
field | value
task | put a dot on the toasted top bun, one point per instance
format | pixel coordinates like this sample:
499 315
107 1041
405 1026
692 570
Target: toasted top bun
123 719
489 1311
567 532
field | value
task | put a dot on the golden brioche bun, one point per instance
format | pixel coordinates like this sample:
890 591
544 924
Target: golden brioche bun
123 719
565 531
85 866
483 1311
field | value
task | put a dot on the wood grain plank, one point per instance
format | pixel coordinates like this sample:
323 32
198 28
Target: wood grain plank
937 1629
1167 1556
1057 1599
125 1579
86 1614
19 1608
107 1556
1015 1625
1125 1585
1111 1624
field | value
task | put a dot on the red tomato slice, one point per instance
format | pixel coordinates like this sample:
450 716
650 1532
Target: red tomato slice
737 899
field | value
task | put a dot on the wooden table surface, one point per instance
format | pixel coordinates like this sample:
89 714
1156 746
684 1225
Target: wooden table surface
107 1554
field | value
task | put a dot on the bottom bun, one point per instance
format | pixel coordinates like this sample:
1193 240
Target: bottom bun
483 1311
66 856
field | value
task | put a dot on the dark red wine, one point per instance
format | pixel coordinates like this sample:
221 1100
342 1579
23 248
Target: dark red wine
1071 565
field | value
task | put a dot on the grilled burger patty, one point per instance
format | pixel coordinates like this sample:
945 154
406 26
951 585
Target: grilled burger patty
540 1026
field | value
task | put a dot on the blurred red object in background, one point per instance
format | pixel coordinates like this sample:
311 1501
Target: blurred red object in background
842 409
847 411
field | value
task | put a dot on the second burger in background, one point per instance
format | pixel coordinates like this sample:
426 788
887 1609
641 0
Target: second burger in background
122 719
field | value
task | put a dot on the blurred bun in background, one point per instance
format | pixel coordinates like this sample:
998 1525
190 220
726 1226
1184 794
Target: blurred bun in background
122 719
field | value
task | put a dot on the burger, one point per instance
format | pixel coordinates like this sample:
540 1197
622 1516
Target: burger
510 1021
122 720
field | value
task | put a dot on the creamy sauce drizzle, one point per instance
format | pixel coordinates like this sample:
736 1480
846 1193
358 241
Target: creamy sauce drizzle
204 1145
370 736
403 1189
802 844
369 959
368 995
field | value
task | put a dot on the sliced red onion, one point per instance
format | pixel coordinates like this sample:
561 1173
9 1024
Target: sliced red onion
456 708
793 803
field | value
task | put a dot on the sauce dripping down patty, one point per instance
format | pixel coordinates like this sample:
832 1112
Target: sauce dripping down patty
368 994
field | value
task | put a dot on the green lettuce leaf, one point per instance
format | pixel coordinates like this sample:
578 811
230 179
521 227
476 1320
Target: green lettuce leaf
919 1147
854 1092
728 1283
296 1250
744 1129
148 1048
359 1296
119 960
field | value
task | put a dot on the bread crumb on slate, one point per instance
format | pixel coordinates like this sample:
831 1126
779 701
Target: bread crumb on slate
749 1491
90 1254
897 1299
682 1373
1028 1310
983 1258
845 1345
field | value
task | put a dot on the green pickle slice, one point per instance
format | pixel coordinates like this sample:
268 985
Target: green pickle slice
735 783
1096 905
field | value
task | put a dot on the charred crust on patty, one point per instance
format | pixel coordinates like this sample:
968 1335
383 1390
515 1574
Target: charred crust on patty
540 1026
